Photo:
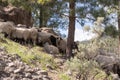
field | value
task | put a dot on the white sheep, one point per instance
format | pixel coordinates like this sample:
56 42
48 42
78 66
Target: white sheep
33 35
7 28
19 34
51 49
25 34
47 30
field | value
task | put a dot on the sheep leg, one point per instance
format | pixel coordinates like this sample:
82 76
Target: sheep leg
5 35
34 43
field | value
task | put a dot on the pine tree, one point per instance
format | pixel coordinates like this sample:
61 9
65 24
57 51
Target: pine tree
71 30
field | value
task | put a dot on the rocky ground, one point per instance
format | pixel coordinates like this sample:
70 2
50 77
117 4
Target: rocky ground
12 68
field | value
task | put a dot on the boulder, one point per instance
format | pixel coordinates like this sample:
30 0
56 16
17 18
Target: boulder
16 15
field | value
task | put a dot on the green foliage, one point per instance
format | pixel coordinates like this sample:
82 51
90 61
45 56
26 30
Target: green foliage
108 2
84 69
84 66
111 31
80 66
64 77
107 44
3 2
43 1
49 13
25 4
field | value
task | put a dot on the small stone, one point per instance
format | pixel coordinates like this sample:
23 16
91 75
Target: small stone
14 76
28 75
26 79
46 78
9 69
36 77
29 70
49 66
17 70
69 72
43 72
7 78
11 64
2 65
36 69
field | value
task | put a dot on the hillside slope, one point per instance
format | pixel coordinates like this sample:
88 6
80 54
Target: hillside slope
57 68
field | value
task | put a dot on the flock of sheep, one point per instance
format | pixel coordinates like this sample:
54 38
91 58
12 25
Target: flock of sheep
45 37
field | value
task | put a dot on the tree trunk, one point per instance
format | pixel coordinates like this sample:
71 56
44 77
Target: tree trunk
41 20
119 22
71 30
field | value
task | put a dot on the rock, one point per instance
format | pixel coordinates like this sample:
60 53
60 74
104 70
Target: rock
35 77
14 76
46 78
28 75
7 78
2 49
11 64
26 79
9 69
30 70
43 72
69 72
14 14
17 70
12 68
36 69
49 66
115 76
2 65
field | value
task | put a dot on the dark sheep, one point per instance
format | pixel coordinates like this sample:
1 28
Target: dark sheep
44 37
75 46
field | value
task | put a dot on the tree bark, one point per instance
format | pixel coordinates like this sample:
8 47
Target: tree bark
41 16
71 30
119 22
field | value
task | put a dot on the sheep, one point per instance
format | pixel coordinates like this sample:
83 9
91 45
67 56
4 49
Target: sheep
25 34
33 35
53 40
7 28
44 37
61 44
51 49
20 34
22 26
47 30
